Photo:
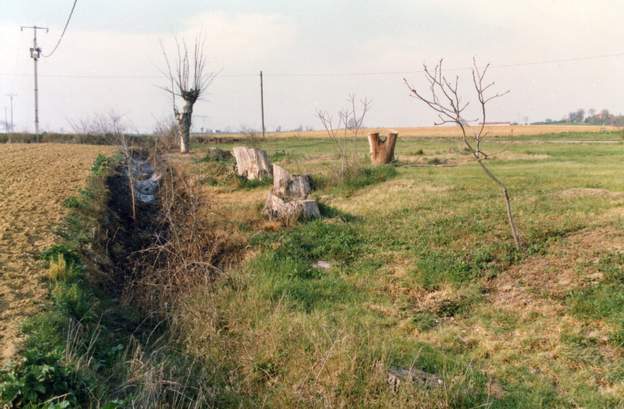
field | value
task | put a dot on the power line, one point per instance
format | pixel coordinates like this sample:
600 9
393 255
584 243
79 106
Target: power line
71 13
328 74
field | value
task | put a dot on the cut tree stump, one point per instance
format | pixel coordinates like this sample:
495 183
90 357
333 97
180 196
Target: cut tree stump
288 200
251 163
290 187
277 208
382 149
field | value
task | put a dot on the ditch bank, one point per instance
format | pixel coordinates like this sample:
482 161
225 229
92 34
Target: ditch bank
102 339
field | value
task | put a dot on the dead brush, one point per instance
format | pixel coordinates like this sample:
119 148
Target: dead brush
189 248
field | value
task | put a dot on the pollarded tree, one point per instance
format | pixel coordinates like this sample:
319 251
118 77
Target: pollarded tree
188 79
445 100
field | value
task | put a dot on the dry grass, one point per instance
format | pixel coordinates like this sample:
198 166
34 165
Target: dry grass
34 181
452 131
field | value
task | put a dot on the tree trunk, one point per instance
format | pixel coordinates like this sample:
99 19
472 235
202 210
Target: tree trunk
184 126
382 150
251 163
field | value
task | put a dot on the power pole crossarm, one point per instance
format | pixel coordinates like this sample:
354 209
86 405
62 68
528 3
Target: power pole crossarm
35 54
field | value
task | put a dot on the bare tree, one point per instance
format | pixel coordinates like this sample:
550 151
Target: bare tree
345 129
188 79
448 104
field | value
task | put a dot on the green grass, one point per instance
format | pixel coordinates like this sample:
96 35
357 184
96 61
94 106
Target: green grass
415 254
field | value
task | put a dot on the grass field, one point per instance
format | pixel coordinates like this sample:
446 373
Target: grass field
423 274
34 182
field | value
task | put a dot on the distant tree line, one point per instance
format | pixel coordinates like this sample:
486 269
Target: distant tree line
589 117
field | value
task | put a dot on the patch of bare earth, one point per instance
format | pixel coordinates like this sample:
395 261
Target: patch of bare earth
34 181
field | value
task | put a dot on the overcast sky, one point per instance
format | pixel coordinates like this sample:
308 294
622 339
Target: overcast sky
313 53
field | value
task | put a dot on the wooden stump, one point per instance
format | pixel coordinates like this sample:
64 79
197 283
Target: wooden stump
288 200
382 149
277 208
251 163
290 187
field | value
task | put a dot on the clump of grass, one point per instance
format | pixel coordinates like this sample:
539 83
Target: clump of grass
72 202
65 251
425 320
217 155
101 164
60 270
278 156
244 183
367 176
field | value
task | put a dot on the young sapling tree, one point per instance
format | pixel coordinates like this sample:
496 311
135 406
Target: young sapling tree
444 98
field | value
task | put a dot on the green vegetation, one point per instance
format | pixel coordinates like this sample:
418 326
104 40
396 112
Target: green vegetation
412 266
423 273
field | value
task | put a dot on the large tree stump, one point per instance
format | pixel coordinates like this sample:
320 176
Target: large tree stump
277 208
288 200
251 163
290 187
382 149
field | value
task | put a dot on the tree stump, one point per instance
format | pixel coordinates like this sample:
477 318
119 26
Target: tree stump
251 163
288 200
382 149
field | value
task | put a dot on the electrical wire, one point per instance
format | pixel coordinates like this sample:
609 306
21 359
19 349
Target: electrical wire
71 13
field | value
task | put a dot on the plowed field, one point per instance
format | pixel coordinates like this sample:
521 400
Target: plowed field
34 181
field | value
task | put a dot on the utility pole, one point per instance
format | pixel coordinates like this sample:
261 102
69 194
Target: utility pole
262 103
35 54
11 96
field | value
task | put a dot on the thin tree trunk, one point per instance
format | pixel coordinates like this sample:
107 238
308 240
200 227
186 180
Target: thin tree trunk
510 217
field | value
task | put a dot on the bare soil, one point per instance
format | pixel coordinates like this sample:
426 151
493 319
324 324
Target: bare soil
34 181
